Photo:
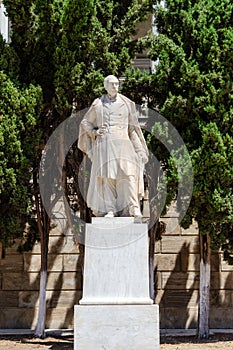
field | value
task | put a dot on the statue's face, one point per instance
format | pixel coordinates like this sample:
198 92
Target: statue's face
112 88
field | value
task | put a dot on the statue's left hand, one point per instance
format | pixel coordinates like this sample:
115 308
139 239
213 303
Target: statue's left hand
143 157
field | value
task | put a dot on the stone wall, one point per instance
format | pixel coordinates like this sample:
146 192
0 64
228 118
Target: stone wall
176 271
20 279
177 279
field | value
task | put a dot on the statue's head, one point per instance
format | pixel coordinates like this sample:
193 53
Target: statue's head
111 84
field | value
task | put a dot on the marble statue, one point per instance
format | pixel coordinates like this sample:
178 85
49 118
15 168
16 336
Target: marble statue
111 137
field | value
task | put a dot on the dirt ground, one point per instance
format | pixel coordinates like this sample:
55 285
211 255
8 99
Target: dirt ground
215 342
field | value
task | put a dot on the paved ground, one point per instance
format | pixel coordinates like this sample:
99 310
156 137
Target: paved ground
216 342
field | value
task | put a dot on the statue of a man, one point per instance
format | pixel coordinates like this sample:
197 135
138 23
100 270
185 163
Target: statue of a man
111 137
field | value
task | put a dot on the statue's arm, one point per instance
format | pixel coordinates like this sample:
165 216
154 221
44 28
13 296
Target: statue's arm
138 147
135 134
87 132
135 140
89 122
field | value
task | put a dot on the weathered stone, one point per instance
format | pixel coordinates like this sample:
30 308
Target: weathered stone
59 221
179 298
32 262
54 299
18 318
61 317
224 265
177 317
63 298
177 244
14 248
36 248
221 298
158 295
190 262
191 230
72 262
56 318
20 281
180 280
9 299
167 262
29 299
172 212
172 226
58 244
64 281
175 291
59 229
158 280
215 261
146 204
221 280
12 263
221 317
157 247
62 245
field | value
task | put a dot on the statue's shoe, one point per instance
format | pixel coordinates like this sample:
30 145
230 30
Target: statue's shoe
137 213
110 214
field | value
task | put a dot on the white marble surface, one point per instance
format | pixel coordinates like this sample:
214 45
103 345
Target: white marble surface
102 221
116 262
113 327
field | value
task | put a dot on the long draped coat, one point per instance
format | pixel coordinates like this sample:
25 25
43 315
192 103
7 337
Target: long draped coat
114 154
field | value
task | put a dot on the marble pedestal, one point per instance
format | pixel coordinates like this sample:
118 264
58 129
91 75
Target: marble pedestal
116 312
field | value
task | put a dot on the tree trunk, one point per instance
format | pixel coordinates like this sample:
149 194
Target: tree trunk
43 222
40 327
151 261
44 236
152 177
204 299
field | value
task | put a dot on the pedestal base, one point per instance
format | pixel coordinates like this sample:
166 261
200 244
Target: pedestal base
116 269
116 327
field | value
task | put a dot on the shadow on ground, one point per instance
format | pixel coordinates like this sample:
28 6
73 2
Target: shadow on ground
215 342
28 342
215 338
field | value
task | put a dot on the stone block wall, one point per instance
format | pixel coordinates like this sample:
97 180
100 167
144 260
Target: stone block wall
177 272
176 277
20 279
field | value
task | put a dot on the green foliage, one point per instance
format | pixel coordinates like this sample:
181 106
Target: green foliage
18 139
66 48
195 75
192 88
213 191
9 62
99 44
137 85
69 46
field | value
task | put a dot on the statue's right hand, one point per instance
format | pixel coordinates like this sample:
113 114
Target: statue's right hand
101 130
